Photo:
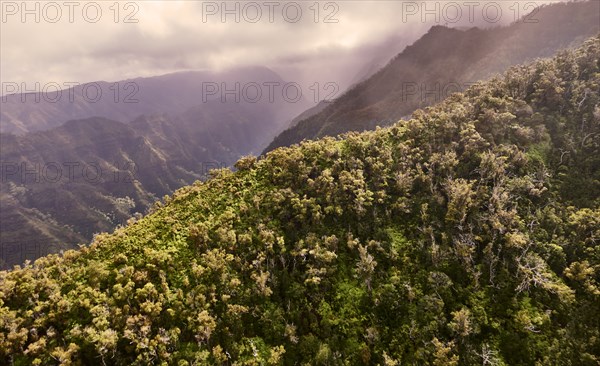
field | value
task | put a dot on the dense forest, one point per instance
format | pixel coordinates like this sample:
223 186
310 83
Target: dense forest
465 235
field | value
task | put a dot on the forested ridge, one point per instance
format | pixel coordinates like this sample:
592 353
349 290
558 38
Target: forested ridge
467 235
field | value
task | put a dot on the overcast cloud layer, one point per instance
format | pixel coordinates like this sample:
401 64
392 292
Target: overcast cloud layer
327 41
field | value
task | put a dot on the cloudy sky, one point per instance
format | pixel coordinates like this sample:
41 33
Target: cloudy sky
45 41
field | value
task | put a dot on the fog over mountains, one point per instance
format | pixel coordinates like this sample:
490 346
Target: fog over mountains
87 159
74 164
300 183
467 235
442 62
126 100
89 175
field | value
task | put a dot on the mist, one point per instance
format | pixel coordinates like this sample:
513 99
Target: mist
313 44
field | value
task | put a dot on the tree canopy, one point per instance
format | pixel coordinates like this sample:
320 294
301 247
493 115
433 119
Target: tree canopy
466 235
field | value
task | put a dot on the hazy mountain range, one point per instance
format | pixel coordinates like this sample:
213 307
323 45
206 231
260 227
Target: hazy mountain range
126 100
61 185
72 168
87 176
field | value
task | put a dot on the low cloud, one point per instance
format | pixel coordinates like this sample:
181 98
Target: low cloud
328 41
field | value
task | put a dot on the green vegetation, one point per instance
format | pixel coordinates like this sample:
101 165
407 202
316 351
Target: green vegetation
467 235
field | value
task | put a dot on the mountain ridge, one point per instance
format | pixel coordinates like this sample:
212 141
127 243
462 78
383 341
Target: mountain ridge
446 60
453 238
125 100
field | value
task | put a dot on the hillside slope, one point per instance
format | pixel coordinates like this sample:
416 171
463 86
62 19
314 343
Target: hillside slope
443 61
467 235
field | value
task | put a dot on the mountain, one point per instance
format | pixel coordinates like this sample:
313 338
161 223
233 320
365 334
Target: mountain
88 176
38 234
77 176
175 131
380 56
465 235
443 61
126 100
310 112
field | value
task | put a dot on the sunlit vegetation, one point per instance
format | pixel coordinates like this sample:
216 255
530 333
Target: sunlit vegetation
465 236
